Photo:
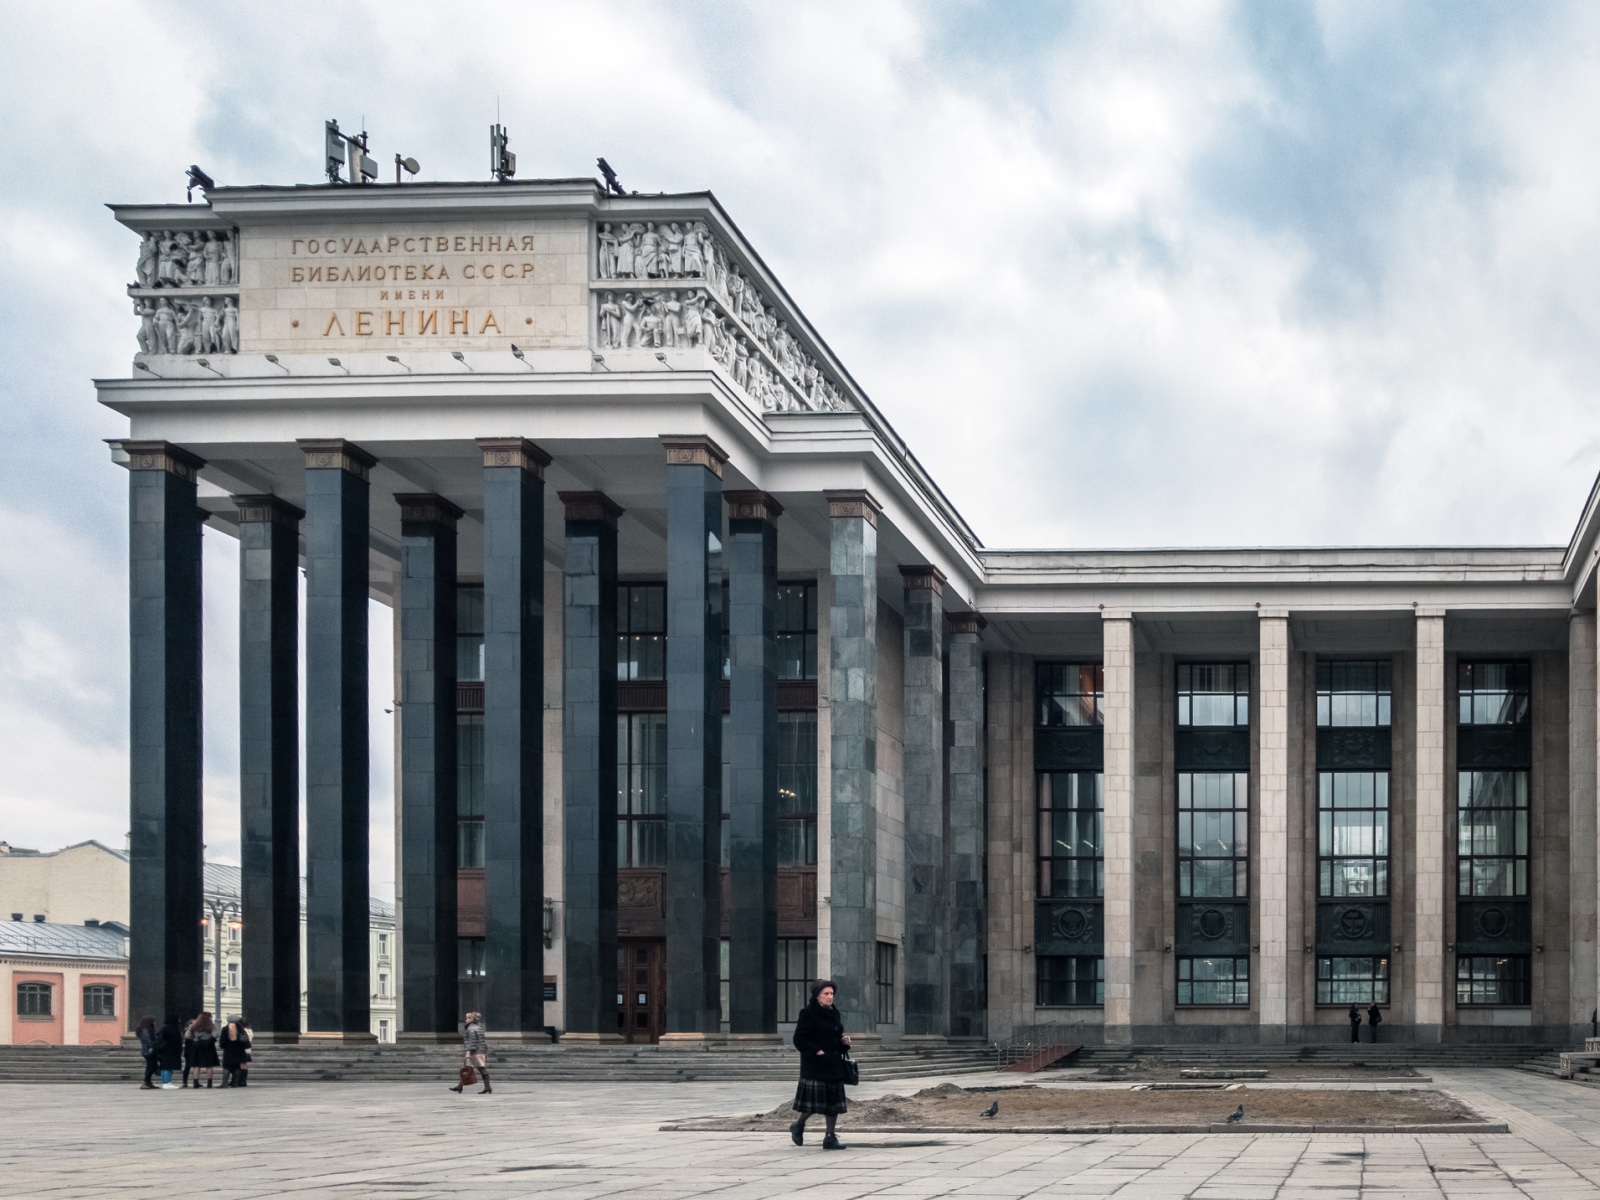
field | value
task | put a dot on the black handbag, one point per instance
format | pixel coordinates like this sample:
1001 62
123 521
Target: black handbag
850 1070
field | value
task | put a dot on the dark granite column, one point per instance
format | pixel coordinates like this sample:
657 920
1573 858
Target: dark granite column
753 762
428 965
965 836
269 763
338 964
922 776
853 718
164 752
589 766
513 735
694 734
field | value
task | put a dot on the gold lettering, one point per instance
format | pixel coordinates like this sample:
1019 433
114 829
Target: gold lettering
493 244
297 244
345 245
394 244
410 248
428 322
297 274
377 246
394 322
506 270
360 249
476 245
363 324
488 322
314 275
461 244
333 323
380 273
444 272
458 321
411 271
488 270
466 272
363 273
527 241
527 269
427 271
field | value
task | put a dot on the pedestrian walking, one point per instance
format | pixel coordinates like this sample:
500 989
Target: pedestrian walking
203 1055
188 1049
1355 1023
823 1044
169 1050
234 1041
477 1053
147 1049
249 1056
1374 1019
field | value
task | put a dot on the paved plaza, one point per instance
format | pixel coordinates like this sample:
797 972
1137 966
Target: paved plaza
601 1140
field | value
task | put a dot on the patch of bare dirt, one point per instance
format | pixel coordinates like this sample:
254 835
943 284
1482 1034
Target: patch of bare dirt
949 1107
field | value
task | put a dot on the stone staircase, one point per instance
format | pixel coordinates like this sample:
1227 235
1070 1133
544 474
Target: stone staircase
1111 1060
638 1064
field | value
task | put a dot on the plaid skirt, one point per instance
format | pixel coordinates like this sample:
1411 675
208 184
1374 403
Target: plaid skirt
819 1096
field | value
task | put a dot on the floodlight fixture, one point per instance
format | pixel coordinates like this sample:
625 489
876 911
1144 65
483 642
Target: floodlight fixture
334 362
197 179
613 184
206 363
139 366
599 361
273 359
395 358
516 352
502 163
661 357
411 165
460 358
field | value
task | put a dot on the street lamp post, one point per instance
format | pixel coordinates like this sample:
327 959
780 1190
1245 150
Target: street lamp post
221 910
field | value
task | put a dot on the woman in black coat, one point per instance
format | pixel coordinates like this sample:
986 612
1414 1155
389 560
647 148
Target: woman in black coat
169 1050
820 1037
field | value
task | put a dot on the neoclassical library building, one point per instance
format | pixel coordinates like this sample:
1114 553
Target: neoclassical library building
704 688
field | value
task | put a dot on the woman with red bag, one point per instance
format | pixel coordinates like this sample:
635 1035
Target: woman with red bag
477 1054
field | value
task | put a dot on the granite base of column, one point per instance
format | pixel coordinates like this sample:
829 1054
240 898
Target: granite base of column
591 1040
427 1038
335 1038
1118 1035
1273 1035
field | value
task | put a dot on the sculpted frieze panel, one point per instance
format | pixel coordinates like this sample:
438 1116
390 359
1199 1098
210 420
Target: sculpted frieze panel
185 292
728 315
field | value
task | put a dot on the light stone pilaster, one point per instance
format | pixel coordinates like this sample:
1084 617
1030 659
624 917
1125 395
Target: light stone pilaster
1581 848
1272 843
1117 655
1428 953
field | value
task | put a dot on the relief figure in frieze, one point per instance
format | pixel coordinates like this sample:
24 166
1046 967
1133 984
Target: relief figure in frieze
188 329
672 250
694 258
149 339
210 341
605 251
649 260
610 322
166 327
694 318
630 318
230 326
672 319
167 270
149 255
212 254
195 269
650 323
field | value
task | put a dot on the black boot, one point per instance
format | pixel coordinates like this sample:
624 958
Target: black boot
209 1082
797 1133
832 1142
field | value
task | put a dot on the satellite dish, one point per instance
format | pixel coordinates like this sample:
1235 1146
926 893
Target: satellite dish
411 165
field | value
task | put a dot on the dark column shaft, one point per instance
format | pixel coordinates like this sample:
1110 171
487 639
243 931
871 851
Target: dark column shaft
966 836
338 967
269 761
165 871
752 754
428 763
923 774
694 735
513 733
589 763
853 746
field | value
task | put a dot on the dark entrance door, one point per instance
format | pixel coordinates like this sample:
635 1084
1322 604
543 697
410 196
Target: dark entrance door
641 990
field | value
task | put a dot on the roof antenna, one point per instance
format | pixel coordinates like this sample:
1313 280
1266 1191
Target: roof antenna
613 184
502 163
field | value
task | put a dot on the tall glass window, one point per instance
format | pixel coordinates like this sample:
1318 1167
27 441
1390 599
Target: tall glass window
1492 833
641 789
1071 853
1214 981
1213 834
1068 981
797 630
642 631
1494 979
1071 693
1213 695
1493 693
797 967
885 975
1353 833
1353 694
1363 979
469 790
797 789
469 633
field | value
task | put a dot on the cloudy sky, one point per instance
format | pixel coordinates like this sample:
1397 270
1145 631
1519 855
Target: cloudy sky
1121 274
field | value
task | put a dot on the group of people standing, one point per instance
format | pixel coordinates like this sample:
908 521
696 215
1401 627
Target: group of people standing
1374 1019
195 1049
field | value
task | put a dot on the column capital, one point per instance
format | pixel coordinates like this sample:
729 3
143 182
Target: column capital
853 502
752 506
924 577
1429 610
514 452
267 510
694 450
161 456
336 454
591 506
966 622
1116 614
1273 614
427 509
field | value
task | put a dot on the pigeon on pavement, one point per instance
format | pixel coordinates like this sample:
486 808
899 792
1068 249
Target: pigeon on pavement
991 1110
1237 1115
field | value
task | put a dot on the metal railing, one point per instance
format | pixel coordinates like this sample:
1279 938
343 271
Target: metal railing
1028 1040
